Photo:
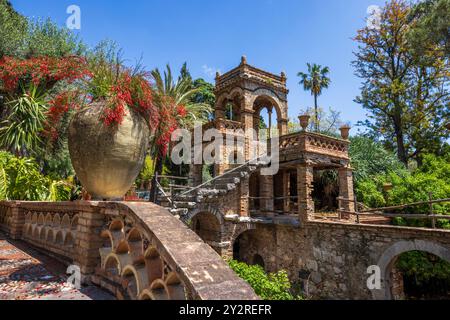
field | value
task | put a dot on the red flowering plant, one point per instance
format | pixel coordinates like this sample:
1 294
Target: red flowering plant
119 88
29 86
41 72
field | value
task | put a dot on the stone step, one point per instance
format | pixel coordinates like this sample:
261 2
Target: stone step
185 198
185 205
226 180
179 212
226 186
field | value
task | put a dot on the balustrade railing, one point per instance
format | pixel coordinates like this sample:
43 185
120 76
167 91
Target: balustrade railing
133 250
315 143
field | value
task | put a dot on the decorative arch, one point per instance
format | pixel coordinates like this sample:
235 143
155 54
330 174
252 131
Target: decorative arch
229 95
208 227
268 95
389 257
202 208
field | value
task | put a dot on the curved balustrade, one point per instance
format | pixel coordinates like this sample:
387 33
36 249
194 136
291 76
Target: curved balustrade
134 250
314 143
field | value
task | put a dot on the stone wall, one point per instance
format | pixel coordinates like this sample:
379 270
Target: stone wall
330 260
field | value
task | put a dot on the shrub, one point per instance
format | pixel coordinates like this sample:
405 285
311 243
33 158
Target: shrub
370 159
432 178
273 286
21 179
368 193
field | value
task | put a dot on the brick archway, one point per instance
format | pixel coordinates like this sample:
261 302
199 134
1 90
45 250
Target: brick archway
202 208
389 257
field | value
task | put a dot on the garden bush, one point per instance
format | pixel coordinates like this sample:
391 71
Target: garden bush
21 179
272 286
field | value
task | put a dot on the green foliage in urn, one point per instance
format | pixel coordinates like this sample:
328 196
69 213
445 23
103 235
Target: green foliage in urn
272 286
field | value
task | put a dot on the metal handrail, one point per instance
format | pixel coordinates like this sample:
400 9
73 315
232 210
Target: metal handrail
223 175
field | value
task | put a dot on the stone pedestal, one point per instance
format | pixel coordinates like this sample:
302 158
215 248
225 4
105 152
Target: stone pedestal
89 241
17 222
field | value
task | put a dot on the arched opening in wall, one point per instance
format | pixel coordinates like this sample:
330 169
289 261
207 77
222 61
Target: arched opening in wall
207 227
419 275
254 184
232 111
246 246
326 190
267 116
258 261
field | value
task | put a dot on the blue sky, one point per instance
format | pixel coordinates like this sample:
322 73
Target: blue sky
276 35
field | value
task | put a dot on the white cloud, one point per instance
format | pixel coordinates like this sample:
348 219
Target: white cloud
210 71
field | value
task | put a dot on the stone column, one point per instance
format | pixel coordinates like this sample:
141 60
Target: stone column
88 240
269 134
267 194
286 191
346 191
305 178
244 204
247 119
283 127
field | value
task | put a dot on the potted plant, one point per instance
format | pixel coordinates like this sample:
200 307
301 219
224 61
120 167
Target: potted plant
109 135
304 121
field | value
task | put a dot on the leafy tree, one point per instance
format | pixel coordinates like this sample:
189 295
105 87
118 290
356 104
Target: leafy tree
13 30
406 95
205 93
432 28
273 286
424 274
169 97
328 121
315 81
45 38
25 38
370 159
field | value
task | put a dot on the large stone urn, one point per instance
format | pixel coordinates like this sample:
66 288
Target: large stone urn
107 159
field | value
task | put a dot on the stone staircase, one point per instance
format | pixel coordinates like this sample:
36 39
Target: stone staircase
180 204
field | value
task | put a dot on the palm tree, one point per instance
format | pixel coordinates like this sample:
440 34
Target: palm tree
315 81
169 94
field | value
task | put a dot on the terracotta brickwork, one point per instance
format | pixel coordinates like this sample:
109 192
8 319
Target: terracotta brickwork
133 250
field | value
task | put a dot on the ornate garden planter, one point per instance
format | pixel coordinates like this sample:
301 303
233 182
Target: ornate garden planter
107 159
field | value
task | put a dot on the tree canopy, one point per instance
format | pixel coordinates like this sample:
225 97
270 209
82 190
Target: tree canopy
406 94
